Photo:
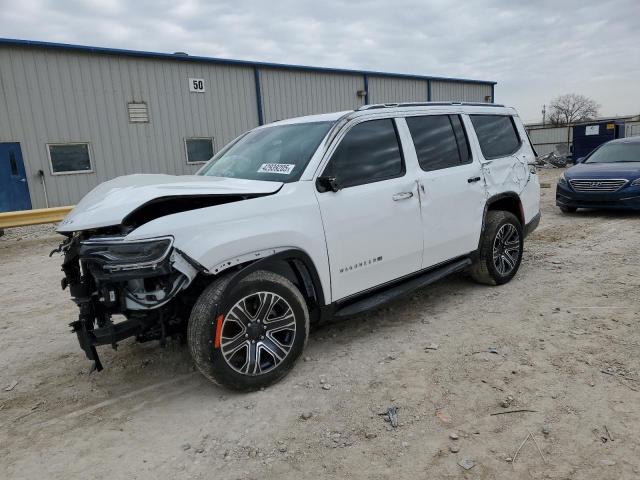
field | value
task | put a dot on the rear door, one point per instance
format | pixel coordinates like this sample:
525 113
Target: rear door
505 162
14 191
372 224
451 188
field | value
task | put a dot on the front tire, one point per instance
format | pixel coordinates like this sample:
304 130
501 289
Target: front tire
500 252
261 334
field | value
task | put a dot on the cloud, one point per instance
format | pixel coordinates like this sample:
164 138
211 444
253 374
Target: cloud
536 50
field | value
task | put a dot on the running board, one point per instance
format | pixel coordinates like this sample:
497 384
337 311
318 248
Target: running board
379 298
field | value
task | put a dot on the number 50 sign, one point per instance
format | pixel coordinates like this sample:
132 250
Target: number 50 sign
196 85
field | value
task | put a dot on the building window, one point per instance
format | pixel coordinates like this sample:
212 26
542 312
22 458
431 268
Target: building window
199 150
68 158
138 112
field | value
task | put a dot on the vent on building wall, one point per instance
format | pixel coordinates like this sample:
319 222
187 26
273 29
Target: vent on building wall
138 112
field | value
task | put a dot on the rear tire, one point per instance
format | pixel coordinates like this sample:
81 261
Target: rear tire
568 209
263 331
500 250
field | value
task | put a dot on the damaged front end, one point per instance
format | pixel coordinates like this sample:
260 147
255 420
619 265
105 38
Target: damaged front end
145 281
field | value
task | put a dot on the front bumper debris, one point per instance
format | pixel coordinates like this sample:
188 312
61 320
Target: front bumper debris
108 335
145 297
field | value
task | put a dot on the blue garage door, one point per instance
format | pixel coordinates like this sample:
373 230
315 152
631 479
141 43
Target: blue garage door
14 190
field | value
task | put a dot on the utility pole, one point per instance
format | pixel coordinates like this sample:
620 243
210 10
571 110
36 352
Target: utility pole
544 114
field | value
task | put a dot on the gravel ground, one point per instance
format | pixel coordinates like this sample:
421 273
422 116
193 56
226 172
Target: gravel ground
561 340
32 232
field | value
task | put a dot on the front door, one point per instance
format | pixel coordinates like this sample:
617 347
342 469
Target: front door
451 187
14 190
372 224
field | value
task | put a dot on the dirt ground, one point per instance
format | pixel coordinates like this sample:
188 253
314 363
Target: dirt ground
563 336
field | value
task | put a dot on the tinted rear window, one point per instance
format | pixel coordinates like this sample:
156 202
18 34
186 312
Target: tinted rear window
440 141
497 135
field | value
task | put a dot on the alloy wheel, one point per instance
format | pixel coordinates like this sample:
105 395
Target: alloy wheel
258 333
506 249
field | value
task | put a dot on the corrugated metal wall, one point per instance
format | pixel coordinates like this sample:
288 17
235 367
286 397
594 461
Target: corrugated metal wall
551 139
49 95
631 129
287 94
391 90
459 91
56 97
550 135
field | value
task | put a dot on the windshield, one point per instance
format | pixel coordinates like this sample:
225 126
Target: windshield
279 153
616 152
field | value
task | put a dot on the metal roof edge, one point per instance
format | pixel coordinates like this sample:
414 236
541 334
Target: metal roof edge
618 118
223 61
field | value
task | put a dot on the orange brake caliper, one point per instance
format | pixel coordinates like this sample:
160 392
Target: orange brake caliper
219 320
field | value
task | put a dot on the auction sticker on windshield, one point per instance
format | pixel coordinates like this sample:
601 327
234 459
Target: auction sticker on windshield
281 168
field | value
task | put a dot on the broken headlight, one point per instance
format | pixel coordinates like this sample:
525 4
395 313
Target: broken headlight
115 254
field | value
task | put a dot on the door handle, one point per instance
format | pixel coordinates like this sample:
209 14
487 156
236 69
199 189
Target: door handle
473 179
402 196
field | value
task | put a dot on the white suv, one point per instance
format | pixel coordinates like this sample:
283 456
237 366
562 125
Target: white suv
298 222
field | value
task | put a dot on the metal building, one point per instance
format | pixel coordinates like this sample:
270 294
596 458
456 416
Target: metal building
550 139
632 129
73 116
560 140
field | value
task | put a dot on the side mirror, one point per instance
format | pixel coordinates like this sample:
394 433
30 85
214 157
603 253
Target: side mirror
580 160
325 184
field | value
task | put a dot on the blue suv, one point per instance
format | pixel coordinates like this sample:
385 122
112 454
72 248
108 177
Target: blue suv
609 177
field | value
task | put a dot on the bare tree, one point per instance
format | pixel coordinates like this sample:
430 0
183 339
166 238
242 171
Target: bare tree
571 108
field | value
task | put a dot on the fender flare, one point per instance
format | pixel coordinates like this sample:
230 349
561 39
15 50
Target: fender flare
496 198
302 266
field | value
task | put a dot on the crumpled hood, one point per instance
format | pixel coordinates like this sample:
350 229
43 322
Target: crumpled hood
627 170
110 202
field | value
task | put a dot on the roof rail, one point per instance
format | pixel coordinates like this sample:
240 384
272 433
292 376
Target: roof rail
426 104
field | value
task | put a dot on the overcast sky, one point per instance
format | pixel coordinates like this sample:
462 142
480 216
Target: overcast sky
535 50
